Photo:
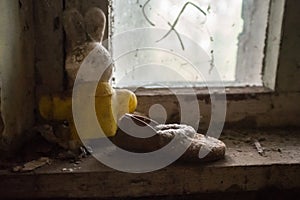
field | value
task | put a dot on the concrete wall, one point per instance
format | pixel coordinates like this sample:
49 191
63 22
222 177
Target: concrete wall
17 70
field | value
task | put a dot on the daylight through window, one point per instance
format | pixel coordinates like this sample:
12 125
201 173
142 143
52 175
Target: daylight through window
230 37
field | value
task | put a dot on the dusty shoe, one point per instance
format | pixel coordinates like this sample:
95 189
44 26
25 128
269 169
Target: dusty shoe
140 134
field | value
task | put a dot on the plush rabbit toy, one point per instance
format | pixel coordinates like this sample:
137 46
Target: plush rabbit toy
84 35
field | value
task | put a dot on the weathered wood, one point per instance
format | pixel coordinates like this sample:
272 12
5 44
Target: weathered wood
243 170
49 45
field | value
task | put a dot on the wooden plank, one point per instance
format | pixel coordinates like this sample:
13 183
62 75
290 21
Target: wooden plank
242 170
171 182
49 45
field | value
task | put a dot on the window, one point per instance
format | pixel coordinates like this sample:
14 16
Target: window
223 31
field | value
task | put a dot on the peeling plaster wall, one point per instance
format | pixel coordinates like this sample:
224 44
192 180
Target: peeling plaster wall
17 70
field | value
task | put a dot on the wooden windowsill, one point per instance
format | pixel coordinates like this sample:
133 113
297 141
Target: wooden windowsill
243 169
202 91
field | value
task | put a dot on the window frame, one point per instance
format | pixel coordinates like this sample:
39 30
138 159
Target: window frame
271 48
246 106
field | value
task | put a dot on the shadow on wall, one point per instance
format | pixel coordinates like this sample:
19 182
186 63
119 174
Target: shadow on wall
1 121
17 71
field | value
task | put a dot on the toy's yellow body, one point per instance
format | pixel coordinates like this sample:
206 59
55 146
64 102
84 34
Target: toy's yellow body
108 103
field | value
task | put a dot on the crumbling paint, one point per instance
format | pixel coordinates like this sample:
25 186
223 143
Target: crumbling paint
17 70
268 109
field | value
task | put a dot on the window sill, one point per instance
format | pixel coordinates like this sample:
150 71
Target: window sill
243 170
247 107
202 91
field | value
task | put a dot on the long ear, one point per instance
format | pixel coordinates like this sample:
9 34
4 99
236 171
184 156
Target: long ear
95 21
75 27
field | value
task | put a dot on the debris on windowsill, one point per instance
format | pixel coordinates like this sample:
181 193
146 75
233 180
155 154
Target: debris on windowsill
67 155
76 166
48 133
274 149
258 147
85 151
67 170
279 150
32 165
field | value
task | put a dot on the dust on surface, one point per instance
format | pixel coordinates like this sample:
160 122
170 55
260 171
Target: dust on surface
279 146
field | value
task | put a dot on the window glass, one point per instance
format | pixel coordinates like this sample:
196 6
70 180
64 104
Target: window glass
231 34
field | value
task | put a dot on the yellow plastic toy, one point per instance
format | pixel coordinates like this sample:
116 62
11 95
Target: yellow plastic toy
84 35
59 108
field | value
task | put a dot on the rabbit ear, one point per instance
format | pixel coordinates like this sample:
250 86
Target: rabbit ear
95 21
75 27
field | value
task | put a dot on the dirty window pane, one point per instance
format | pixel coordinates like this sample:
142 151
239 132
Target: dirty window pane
231 35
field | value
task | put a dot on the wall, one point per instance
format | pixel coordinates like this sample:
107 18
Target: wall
49 49
17 70
32 60
289 60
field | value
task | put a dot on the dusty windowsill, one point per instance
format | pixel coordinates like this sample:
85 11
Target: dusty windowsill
247 107
242 170
202 91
